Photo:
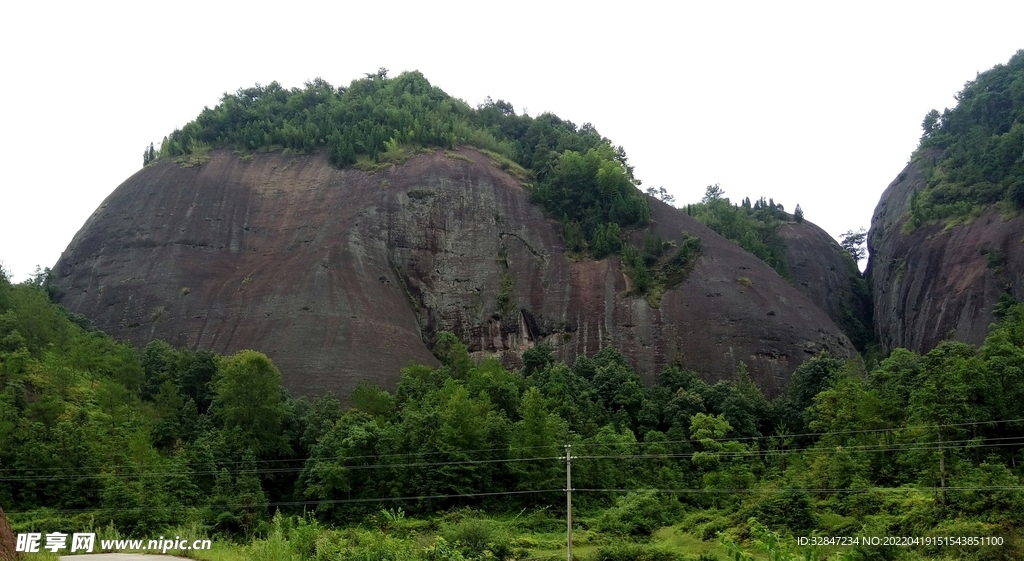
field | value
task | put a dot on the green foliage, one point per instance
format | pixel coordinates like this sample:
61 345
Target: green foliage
922 445
854 244
538 432
780 507
810 379
247 396
475 536
537 359
453 354
580 176
420 194
722 462
238 504
754 227
595 195
652 272
369 399
149 155
635 552
505 301
638 514
973 151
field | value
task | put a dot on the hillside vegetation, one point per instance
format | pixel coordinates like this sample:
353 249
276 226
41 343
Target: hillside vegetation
981 148
464 461
754 227
580 177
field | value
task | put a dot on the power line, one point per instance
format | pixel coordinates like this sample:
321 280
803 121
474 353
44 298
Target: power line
790 490
897 447
550 446
681 491
559 446
316 502
785 436
761 453
368 456
276 470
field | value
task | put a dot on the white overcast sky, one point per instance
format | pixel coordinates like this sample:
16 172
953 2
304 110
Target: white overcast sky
816 103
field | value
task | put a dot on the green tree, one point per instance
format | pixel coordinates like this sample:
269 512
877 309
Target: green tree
239 503
713 193
453 354
724 463
247 394
854 244
539 433
941 400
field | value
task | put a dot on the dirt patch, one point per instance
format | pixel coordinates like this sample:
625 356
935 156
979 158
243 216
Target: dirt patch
7 542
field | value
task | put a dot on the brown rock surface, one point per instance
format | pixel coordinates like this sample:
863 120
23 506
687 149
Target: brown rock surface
823 271
7 540
934 283
340 275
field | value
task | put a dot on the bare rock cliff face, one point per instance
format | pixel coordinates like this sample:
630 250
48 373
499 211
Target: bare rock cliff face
343 275
934 284
826 274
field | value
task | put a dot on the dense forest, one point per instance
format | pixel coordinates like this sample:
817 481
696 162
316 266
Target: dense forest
975 151
466 460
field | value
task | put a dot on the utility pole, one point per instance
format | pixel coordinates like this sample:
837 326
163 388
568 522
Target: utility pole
568 499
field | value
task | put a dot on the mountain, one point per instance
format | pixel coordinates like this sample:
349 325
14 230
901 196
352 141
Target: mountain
826 274
939 282
945 238
342 275
799 251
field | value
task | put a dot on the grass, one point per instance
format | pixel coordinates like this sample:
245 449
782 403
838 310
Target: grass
198 154
192 160
674 539
537 534
393 154
518 171
42 556
670 271
457 156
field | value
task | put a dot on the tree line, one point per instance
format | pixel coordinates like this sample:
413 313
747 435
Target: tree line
140 438
753 226
577 175
972 152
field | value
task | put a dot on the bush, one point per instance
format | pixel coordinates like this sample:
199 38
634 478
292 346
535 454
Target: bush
375 546
635 552
638 514
784 508
475 535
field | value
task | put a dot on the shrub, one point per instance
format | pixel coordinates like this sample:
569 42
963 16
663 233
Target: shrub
637 514
476 535
790 509
635 552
